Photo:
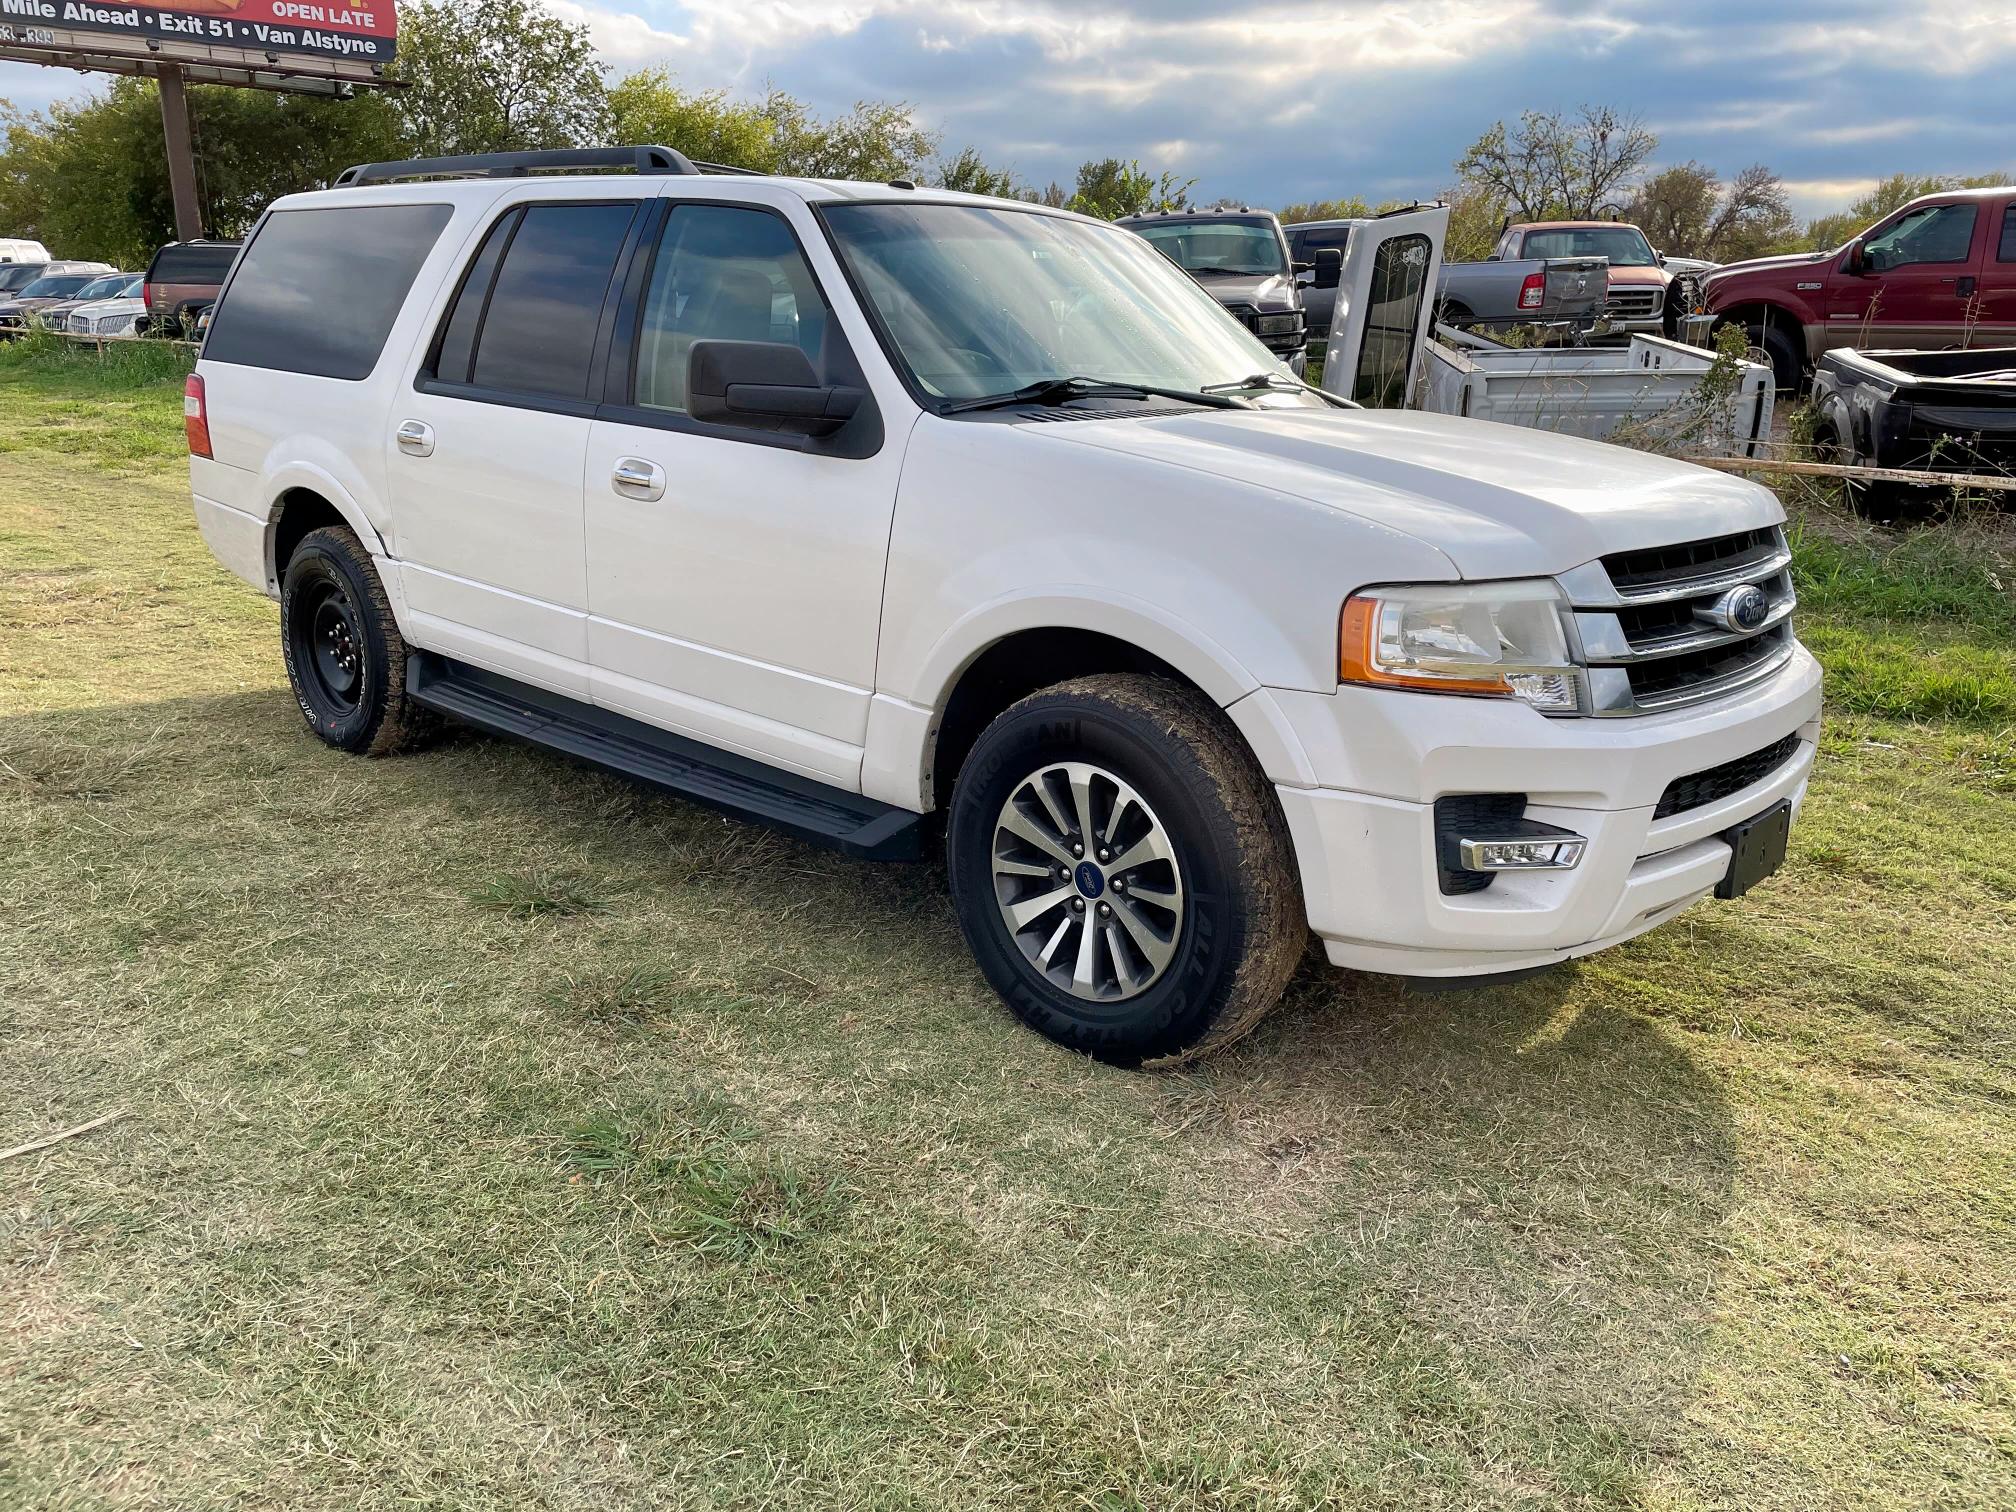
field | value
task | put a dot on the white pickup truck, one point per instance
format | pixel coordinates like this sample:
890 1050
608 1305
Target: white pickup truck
880 513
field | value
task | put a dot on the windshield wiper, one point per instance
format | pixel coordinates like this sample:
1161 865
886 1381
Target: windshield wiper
1284 383
1062 390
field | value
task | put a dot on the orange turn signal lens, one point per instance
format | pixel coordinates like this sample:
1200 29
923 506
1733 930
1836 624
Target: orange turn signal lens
1358 658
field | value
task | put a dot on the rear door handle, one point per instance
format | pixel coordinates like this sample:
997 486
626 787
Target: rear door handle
416 438
636 478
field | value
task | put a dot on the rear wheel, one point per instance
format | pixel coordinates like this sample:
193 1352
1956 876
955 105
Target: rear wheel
345 657
1122 872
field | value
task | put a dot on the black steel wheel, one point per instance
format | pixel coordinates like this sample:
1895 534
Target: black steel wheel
345 657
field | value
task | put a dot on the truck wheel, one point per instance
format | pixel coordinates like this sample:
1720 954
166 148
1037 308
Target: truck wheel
1788 362
345 656
1122 871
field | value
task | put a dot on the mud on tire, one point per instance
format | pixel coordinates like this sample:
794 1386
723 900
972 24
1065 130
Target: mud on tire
345 657
1198 921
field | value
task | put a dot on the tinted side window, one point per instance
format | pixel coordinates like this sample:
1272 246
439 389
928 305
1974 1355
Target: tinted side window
2007 251
198 264
722 274
538 333
1336 237
319 289
456 353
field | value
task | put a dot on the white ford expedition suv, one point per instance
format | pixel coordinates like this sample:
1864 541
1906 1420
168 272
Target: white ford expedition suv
875 512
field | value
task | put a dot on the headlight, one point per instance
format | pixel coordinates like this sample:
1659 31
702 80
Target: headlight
1502 640
1278 325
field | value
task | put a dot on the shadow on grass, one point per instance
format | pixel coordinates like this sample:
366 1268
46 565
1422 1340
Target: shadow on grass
1515 1193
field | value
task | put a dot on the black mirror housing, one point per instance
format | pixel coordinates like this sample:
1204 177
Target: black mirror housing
765 385
1329 267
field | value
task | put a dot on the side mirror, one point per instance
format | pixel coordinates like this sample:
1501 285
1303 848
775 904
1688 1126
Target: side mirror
1858 260
764 385
1329 267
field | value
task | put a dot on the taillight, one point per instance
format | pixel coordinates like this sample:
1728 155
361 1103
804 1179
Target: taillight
147 294
1533 292
195 417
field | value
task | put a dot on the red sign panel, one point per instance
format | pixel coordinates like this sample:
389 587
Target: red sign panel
349 30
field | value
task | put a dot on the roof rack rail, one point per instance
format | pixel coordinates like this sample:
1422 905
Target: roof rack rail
520 164
726 168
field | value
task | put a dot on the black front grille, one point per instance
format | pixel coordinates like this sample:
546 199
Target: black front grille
1654 680
1658 566
1702 788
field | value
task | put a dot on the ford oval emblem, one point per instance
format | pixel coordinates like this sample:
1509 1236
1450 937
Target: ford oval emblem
1740 609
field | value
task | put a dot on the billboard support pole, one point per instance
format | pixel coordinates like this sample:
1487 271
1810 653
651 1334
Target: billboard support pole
181 153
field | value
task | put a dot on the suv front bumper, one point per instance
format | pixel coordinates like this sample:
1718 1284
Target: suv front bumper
1364 832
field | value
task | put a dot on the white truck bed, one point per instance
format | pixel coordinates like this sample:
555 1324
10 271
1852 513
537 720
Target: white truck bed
1652 387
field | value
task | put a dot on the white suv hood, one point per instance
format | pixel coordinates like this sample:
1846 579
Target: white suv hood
1497 500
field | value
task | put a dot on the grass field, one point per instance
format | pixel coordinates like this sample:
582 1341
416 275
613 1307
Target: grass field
499 1135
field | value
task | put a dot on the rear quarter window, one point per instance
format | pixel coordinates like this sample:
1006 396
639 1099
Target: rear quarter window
192 265
317 290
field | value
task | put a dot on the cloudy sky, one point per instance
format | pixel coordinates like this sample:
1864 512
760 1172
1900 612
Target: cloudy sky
1281 100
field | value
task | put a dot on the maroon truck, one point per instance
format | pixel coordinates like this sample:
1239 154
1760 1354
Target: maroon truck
1940 272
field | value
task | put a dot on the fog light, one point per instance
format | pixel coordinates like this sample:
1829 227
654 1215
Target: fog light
1557 851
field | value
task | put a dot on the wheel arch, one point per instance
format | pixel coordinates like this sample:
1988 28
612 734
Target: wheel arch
1035 650
305 499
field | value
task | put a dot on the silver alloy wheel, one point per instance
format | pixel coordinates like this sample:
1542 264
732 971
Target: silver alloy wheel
1087 882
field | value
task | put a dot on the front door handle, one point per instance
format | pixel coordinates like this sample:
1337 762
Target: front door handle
1964 287
636 478
416 438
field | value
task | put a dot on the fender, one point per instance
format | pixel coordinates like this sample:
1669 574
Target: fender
312 479
902 732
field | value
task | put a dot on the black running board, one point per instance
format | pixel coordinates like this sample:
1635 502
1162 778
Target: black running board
735 785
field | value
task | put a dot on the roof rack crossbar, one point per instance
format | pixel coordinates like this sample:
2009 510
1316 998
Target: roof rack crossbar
519 164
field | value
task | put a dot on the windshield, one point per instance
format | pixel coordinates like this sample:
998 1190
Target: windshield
1625 246
57 285
103 288
18 277
980 302
1225 247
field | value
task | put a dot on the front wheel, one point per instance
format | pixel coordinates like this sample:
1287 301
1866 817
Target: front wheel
1122 872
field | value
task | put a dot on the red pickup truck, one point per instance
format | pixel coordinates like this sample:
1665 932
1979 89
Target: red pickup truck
1940 272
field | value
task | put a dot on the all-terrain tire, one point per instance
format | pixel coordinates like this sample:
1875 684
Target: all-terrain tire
345 657
1242 923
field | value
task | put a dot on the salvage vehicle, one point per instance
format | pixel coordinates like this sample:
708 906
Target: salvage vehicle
56 316
878 513
1940 271
1651 386
1564 292
15 250
114 315
1639 279
1241 258
181 280
59 282
1950 412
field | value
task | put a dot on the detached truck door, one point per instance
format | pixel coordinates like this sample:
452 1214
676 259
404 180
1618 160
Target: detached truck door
1385 302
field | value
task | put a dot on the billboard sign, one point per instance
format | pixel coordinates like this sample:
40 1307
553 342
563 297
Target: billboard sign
353 31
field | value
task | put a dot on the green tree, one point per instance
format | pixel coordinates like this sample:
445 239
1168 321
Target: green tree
1476 220
1831 231
876 141
1353 208
648 108
1556 167
1688 211
1110 188
970 174
91 177
496 76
